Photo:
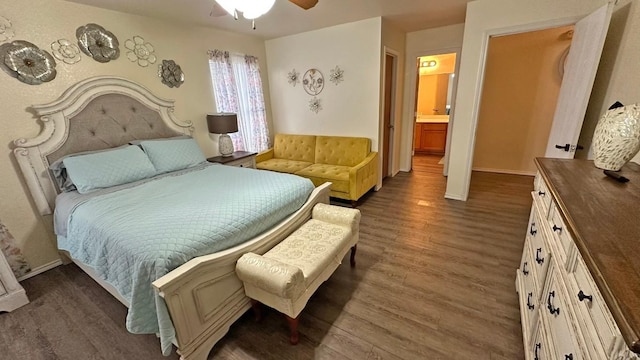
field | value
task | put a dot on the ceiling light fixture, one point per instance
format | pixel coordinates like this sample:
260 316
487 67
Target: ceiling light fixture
250 9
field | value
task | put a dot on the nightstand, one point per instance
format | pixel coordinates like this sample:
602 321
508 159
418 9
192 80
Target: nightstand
243 159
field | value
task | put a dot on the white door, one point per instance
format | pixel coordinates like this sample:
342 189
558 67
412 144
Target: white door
579 75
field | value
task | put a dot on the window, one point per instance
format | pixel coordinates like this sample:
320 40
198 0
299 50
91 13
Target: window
237 88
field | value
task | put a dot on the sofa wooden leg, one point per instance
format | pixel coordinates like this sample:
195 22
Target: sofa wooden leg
257 309
293 327
353 255
354 203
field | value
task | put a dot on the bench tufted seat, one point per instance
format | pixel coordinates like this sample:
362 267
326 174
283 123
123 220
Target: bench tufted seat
286 276
347 162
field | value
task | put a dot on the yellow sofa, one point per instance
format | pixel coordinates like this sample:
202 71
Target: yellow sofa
347 162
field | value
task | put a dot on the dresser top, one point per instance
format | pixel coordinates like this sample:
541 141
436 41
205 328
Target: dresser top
603 217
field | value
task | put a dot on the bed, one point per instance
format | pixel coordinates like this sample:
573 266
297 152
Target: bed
195 302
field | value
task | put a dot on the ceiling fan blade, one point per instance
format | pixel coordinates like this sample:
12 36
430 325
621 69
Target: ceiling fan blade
305 4
217 10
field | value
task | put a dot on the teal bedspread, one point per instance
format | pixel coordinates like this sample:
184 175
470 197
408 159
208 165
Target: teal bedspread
134 236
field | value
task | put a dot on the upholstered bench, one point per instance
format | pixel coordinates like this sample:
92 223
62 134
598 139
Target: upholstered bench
286 276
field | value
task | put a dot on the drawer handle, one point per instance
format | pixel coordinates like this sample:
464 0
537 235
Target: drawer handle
530 306
539 260
582 296
535 351
532 231
524 269
557 228
568 357
542 193
552 310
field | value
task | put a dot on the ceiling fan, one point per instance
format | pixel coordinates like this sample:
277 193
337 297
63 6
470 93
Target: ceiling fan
256 8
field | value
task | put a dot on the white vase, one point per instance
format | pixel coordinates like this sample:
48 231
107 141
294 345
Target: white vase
617 137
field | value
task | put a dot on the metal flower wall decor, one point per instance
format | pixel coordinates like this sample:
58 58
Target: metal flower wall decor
6 29
313 82
27 63
98 43
65 51
336 75
170 73
140 51
315 105
293 77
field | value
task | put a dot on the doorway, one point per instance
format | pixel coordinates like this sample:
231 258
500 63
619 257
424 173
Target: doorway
523 74
432 108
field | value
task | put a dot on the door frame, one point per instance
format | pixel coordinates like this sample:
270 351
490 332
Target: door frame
413 75
458 186
394 119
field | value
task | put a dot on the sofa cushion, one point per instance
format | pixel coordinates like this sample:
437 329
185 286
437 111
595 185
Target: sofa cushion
340 150
294 147
282 165
321 173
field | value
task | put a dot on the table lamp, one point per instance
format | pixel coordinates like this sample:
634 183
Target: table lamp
223 124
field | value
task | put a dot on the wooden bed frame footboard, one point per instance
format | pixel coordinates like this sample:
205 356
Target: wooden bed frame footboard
204 296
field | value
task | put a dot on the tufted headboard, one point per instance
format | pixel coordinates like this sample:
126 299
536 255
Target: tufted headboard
94 114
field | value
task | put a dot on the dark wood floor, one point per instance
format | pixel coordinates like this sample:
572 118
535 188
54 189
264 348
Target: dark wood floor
434 280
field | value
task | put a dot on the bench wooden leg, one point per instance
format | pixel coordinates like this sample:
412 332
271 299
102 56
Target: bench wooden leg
293 326
353 255
257 309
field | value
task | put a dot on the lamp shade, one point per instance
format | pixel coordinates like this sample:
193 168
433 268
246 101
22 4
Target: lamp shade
222 123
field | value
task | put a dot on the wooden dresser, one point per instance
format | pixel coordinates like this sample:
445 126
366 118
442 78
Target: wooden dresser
579 277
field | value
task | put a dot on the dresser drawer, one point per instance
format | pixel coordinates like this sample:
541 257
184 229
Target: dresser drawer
559 231
592 308
527 293
559 318
541 195
538 349
541 255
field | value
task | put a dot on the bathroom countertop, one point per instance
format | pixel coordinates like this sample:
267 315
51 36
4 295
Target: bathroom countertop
432 119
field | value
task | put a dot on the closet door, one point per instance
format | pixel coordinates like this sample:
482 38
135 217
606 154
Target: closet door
579 75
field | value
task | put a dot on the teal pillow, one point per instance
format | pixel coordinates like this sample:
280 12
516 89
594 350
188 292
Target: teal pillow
173 154
108 168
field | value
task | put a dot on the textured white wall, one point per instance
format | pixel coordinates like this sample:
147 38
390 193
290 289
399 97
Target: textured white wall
484 17
348 109
44 21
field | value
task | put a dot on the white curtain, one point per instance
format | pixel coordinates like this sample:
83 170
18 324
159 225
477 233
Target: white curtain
237 88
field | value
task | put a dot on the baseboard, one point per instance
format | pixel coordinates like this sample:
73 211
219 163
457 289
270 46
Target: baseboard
503 171
454 197
40 269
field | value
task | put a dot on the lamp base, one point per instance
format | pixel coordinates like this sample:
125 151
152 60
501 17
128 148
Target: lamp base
225 145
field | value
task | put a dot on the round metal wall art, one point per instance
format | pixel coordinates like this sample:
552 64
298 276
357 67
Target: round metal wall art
313 82
98 43
140 51
65 51
6 29
27 63
170 73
